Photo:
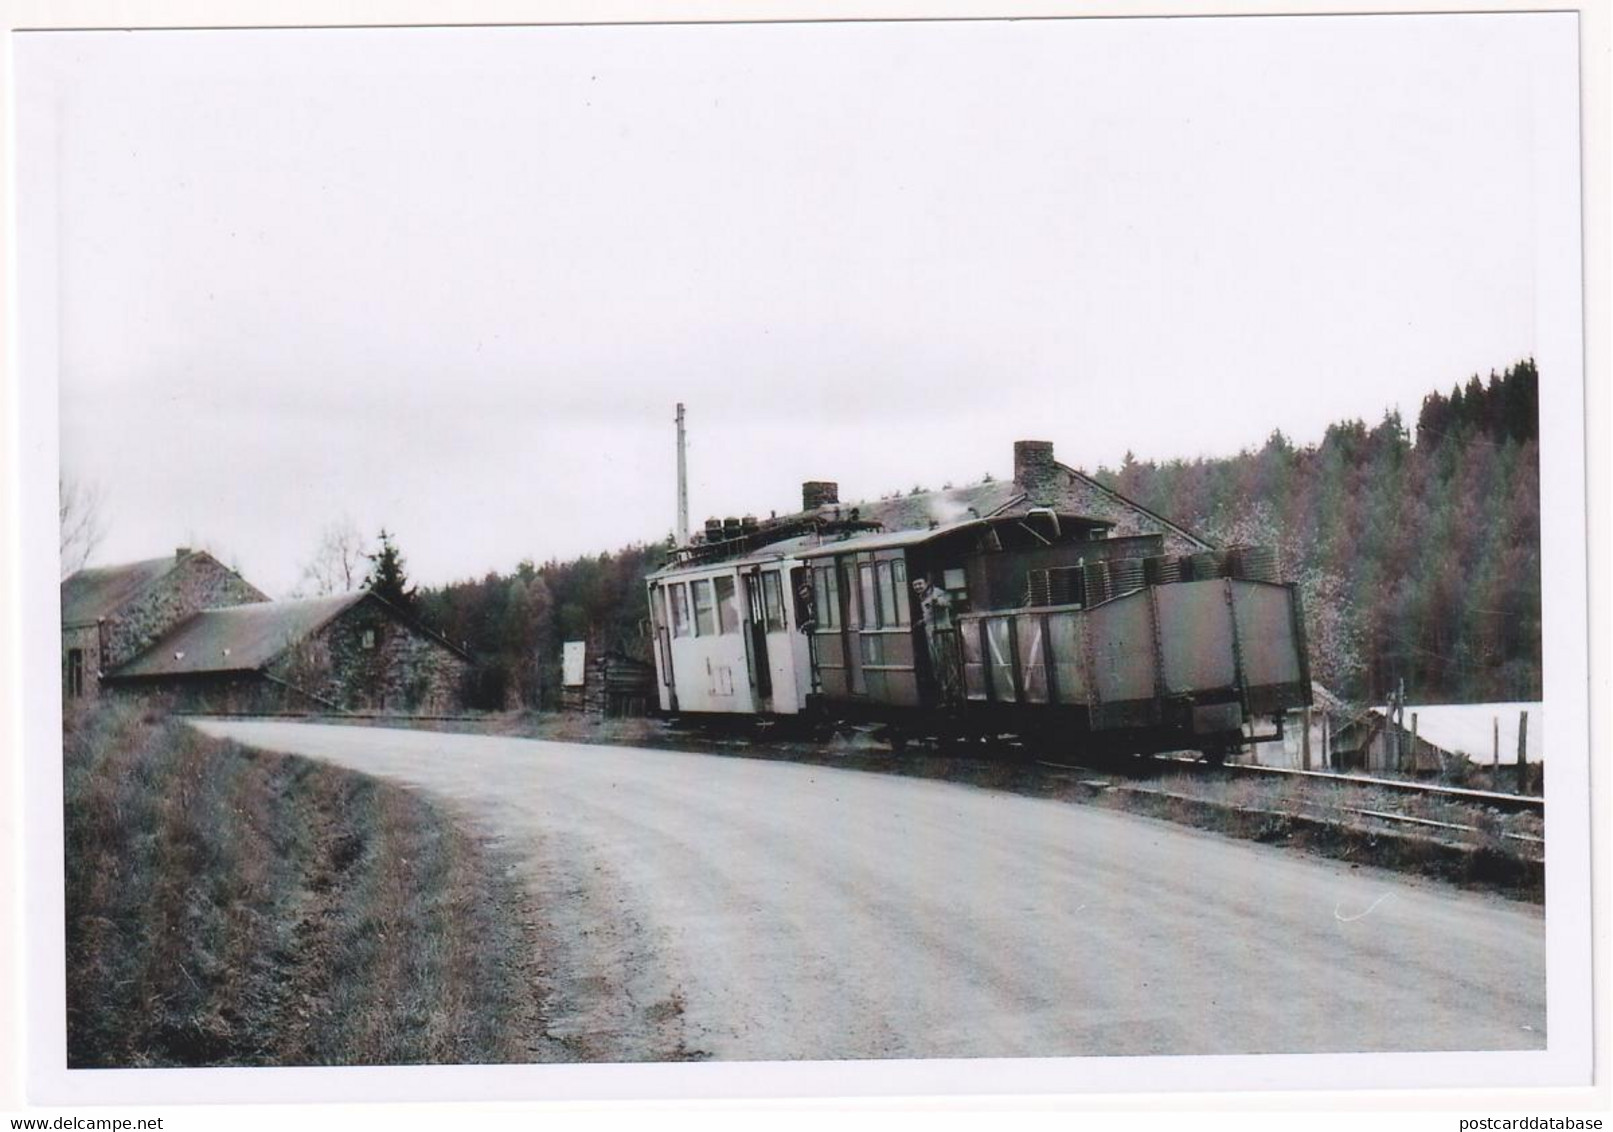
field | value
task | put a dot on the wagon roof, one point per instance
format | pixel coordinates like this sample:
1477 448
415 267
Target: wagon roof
888 540
816 546
237 638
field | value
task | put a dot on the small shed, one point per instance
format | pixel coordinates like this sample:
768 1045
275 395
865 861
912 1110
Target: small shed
614 684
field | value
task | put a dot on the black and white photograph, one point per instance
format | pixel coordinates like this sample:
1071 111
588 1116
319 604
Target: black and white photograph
811 558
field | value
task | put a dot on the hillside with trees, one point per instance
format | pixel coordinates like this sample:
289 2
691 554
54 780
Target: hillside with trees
514 624
1417 550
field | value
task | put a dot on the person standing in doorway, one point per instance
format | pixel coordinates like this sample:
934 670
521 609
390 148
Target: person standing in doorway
939 634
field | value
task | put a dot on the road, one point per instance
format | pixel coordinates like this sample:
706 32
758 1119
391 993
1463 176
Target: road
704 906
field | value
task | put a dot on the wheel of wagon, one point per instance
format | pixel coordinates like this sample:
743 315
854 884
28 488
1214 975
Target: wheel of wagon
1215 756
897 738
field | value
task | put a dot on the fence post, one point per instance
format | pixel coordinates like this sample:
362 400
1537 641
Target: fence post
1495 756
1523 744
1413 759
1391 744
1305 741
1327 740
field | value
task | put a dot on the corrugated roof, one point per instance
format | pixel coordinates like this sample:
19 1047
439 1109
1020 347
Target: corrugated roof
100 591
237 638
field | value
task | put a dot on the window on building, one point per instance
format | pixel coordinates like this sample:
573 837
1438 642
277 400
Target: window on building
773 601
74 675
367 639
705 613
678 596
727 606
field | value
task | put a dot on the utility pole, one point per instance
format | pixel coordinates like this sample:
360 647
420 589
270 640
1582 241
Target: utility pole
683 483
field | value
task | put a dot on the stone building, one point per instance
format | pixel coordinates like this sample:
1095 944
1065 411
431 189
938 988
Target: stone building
347 652
1039 481
110 614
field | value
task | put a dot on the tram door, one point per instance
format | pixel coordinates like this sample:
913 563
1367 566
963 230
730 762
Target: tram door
756 635
855 618
663 640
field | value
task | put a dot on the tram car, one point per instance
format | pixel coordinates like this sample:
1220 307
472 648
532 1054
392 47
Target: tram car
1041 624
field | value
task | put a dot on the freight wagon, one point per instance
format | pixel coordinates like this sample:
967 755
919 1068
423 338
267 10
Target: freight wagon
1039 624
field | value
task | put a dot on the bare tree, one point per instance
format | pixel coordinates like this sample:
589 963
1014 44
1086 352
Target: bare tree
338 564
82 524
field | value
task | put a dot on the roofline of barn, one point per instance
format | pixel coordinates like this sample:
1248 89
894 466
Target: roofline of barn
1132 503
359 597
140 591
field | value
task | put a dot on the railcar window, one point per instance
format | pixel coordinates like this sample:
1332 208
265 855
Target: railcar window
887 596
678 595
705 614
727 606
870 607
827 593
904 605
773 600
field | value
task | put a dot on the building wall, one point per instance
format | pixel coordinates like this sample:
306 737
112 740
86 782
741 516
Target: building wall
399 669
226 693
198 582
1047 483
87 640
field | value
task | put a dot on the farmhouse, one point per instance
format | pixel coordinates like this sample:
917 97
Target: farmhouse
111 614
347 652
192 632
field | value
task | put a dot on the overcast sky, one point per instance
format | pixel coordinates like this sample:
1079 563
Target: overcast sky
453 281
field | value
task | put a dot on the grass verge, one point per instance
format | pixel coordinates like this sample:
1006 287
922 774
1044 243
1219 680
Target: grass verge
233 907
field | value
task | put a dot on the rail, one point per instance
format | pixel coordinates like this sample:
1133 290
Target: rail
1495 799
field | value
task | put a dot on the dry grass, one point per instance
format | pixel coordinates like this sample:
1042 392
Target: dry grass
232 907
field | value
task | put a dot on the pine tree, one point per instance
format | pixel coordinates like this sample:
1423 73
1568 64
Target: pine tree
387 579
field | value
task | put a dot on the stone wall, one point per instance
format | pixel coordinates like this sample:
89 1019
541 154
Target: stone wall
369 659
226 693
87 639
198 582
1080 496
1047 483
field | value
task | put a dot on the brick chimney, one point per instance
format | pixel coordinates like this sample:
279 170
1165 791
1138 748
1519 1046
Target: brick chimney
1036 472
182 552
819 493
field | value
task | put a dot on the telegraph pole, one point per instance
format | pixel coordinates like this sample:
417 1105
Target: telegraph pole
683 483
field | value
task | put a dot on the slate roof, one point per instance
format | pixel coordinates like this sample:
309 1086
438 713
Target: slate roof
915 512
100 591
236 638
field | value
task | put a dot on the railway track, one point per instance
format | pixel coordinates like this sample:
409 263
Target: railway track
1492 800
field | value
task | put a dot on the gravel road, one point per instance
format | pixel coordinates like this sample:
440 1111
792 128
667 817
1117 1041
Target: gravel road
700 906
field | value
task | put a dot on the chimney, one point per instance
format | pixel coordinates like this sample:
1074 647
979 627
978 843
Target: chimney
1036 472
181 552
819 493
